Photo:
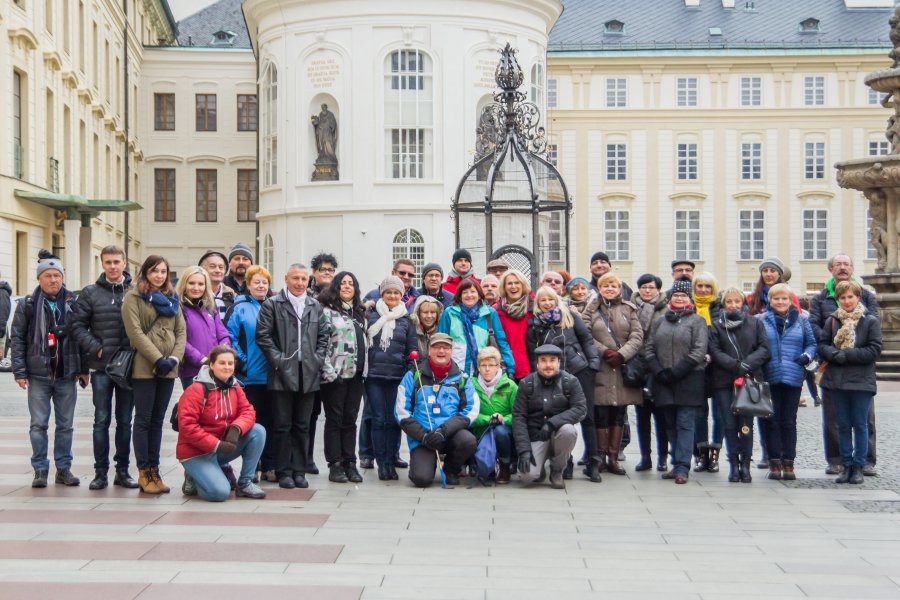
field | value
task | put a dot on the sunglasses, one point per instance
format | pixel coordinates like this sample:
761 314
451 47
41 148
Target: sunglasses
405 273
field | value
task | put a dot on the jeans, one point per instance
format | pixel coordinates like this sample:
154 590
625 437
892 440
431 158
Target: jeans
366 448
206 470
290 431
341 400
506 447
701 427
103 387
61 392
151 399
739 444
681 421
261 399
381 394
186 382
781 429
851 407
457 451
831 434
644 412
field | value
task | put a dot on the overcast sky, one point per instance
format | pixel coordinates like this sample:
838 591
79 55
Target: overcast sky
185 8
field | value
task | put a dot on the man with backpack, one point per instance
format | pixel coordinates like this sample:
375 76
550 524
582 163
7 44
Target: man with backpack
436 405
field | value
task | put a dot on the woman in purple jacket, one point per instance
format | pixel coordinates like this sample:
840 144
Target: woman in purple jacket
204 328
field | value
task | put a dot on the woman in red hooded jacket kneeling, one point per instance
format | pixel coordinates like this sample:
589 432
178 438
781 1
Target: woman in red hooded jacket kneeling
216 425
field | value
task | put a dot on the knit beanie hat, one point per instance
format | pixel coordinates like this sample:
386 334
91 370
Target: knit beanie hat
773 262
600 256
432 267
48 260
462 253
649 278
391 282
241 249
682 285
576 281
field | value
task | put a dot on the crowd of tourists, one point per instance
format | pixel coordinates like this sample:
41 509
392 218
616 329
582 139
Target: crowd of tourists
485 376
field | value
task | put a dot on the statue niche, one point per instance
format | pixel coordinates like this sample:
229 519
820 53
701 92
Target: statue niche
326 132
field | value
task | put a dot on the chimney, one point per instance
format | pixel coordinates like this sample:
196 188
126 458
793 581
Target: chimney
727 3
692 3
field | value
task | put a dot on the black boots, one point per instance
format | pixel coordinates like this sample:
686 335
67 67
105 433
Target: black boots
844 477
744 472
593 470
646 463
569 471
353 475
124 480
734 470
713 464
40 479
702 457
856 475
65 477
337 474
99 482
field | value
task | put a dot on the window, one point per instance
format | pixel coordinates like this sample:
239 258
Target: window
616 92
687 91
815 234
616 162
871 252
247 195
270 124
537 85
551 93
814 90
751 161
409 243
408 114
269 253
555 249
18 105
815 160
247 116
687 234
874 98
164 112
164 192
617 234
206 112
207 196
879 147
48 15
751 91
751 227
687 162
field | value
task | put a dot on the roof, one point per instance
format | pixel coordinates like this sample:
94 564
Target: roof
224 15
669 24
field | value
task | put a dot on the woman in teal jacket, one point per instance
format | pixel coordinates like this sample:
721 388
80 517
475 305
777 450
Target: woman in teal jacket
497 393
471 324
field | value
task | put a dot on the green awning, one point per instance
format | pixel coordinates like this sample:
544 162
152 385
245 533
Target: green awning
77 205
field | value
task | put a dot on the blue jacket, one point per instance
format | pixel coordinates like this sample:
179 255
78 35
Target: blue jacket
420 410
242 329
797 339
488 321
394 362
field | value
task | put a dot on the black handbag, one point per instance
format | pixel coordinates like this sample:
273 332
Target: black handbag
753 399
121 364
633 373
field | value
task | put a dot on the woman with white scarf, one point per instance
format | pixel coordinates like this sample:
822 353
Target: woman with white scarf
850 343
392 337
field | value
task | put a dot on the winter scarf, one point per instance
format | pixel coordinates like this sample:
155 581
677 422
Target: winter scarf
387 318
518 309
763 299
733 320
440 373
846 335
57 306
469 316
673 315
488 386
703 303
551 317
165 306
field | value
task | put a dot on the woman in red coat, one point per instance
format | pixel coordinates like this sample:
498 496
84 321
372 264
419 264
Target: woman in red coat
514 308
217 424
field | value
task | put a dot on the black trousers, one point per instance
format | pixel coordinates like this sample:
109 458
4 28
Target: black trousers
588 431
261 399
645 412
423 461
830 431
151 399
341 400
290 431
313 421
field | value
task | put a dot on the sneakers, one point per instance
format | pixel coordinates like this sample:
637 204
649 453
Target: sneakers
270 476
99 482
869 470
40 479
188 488
65 477
834 469
249 490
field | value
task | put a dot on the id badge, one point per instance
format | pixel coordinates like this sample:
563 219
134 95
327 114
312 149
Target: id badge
435 409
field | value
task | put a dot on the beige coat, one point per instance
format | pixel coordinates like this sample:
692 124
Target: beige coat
623 318
165 338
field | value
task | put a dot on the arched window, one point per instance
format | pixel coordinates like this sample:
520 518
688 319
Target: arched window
409 243
268 253
408 115
270 124
537 85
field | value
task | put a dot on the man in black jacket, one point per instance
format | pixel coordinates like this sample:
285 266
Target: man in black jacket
548 405
214 263
46 362
821 307
98 328
293 339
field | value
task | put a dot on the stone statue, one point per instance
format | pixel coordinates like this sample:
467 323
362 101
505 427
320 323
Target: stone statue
878 230
894 35
326 130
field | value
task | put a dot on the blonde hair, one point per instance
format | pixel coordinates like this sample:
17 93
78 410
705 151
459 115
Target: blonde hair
609 277
421 302
780 289
209 301
526 286
707 278
489 353
733 291
566 321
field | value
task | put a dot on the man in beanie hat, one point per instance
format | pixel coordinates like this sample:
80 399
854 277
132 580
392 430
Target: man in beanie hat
548 405
432 277
600 265
239 260
46 361
214 263
462 269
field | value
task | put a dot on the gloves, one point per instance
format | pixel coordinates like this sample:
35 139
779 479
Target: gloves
165 365
526 460
802 360
745 370
613 358
839 357
434 439
665 376
232 434
830 352
545 432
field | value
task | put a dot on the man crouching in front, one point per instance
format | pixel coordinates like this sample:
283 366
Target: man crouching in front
549 404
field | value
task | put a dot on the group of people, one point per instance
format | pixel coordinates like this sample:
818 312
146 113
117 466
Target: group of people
498 358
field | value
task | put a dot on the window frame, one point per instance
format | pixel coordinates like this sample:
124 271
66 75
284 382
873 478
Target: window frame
403 245
616 236
751 91
754 231
169 184
552 92
248 116
248 194
161 124
814 162
206 196
616 92
751 161
815 234
269 137
685 235
686 92
409 138
209 113
814 90
686 163
616 161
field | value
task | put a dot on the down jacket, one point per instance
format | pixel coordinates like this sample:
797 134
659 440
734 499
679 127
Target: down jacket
857 372
678 342
619 316
241 327
501 402
559 401
576 343
823 305
165 336
394 362
97 321
784 346
29 353
746 343
201 426
204 331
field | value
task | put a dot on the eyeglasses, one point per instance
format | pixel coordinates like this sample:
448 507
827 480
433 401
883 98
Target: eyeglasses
326 270
649 287
408 274
684 270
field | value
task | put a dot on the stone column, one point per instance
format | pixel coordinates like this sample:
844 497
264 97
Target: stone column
71 260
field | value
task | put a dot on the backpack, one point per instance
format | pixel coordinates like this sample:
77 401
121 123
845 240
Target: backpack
173 418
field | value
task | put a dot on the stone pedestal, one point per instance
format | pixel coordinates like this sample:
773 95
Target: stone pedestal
325 171
887 286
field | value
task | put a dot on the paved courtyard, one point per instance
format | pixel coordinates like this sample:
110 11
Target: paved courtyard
629 537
